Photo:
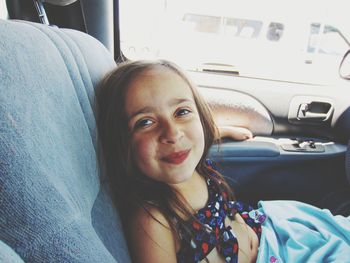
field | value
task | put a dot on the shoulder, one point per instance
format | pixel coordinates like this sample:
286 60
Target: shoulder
150 236
149 219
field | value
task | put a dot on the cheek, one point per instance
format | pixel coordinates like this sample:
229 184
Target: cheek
142 150
196 134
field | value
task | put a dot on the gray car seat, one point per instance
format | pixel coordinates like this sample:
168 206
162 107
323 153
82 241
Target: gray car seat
52 205
338 202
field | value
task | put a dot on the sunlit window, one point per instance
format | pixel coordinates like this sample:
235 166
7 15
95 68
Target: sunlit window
275 31
271 39
205 24
3 10
326 39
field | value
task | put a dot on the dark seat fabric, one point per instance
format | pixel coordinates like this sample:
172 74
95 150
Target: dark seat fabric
52 205
347 162
338 202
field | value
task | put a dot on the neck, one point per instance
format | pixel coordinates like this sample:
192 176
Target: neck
194 190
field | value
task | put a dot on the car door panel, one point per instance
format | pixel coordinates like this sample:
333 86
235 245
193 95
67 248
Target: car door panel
277 96
279 162
238 109
260 169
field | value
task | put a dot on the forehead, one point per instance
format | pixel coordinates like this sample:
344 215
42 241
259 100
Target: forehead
155 86
157 74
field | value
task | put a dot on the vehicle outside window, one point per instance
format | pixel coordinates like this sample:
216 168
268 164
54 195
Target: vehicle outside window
3 10
297 41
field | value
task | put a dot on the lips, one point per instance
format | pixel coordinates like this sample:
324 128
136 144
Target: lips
176 157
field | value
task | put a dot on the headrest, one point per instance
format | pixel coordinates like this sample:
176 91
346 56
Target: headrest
60 2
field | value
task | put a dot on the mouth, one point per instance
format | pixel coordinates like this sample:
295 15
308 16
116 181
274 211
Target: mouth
176 157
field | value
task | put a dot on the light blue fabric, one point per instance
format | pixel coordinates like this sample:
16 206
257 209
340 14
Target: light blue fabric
52 207
298 232
8 255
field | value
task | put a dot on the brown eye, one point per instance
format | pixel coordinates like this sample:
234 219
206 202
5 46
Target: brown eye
182 112
143 123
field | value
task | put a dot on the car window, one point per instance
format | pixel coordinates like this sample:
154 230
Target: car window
3 10
203 23
326 39
258 38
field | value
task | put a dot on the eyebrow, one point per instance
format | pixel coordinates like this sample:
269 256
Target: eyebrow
149 109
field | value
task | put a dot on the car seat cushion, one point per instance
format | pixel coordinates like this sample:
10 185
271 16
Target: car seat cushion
8 255
52 205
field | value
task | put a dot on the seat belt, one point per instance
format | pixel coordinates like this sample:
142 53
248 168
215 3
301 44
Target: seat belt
39 6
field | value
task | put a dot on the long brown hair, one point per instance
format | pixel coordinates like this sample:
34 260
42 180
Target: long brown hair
131 189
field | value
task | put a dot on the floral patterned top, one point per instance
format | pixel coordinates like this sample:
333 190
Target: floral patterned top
212 231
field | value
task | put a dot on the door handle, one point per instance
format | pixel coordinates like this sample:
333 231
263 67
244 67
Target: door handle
314 116
311 110
315 111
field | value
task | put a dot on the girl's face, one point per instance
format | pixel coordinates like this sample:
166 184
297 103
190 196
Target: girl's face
167 136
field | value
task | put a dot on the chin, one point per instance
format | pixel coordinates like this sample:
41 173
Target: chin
180 177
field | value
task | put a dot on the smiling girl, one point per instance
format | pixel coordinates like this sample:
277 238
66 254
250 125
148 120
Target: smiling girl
156 131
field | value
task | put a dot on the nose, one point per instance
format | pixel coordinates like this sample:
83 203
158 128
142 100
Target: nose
170 133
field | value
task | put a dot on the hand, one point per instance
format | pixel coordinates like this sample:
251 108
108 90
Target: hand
235 133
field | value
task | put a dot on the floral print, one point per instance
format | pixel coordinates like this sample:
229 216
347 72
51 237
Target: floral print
209 227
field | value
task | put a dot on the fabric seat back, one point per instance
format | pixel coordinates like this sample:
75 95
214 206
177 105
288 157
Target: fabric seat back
53 208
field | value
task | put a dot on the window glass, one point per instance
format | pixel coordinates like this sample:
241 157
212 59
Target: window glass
242 27
202 23
326 39
3 10
269 39
275 31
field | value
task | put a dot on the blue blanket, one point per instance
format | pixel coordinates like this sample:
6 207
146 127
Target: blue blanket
298 232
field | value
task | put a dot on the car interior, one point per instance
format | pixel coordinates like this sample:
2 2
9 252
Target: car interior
54 204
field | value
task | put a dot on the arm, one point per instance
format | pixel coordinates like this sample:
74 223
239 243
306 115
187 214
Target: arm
228 125
233 132
151 241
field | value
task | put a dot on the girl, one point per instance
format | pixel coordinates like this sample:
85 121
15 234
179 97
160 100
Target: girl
156 131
